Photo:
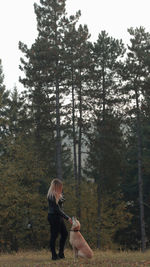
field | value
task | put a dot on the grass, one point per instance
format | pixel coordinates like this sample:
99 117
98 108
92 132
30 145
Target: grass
102 259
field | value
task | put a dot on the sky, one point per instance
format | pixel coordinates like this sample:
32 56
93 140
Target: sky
18 23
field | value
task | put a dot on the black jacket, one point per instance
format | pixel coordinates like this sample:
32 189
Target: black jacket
54 208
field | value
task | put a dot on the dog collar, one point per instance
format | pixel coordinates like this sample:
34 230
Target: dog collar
75 230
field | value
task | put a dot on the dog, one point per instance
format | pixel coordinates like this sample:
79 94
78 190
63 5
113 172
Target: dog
78 243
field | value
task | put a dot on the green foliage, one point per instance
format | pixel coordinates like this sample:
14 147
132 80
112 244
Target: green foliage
106 153
4 101
20 197
114 213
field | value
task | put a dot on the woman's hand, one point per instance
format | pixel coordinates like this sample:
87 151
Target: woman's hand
70 220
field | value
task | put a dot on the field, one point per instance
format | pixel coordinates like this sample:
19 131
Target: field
43 259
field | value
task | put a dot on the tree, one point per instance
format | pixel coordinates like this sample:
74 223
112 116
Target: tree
46 73
104 100
78 61
106 165
135 74
21 203
4 101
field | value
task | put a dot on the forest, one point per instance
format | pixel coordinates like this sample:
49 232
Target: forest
83 117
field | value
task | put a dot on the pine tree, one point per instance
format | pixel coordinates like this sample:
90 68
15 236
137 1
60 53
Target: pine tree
46 74
135 75
78 61
4 101
105 102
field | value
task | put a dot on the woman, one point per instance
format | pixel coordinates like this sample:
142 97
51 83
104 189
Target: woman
55 218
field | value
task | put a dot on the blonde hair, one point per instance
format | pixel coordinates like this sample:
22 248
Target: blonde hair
55 189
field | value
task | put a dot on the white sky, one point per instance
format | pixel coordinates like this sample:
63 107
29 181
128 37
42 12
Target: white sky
18 23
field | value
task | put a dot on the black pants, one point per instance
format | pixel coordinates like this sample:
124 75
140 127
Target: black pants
57 226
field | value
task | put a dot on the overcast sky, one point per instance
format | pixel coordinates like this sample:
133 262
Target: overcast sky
18 23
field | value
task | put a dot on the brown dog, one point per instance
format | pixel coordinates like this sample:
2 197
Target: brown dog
77 241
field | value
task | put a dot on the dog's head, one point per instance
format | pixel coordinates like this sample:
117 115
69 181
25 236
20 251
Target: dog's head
75 224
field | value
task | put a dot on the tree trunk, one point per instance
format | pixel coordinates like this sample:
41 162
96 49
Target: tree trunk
74 131
77 190
102 170
58 131
58 136
79 148
104 92
99 215
140 178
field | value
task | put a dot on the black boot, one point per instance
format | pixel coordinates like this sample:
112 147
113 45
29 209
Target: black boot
61 255
55 257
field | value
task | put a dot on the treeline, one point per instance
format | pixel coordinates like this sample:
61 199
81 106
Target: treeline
84 117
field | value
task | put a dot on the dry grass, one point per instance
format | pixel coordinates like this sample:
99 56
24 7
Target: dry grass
103 259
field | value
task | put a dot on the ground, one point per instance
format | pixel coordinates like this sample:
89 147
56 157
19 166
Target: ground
102 259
